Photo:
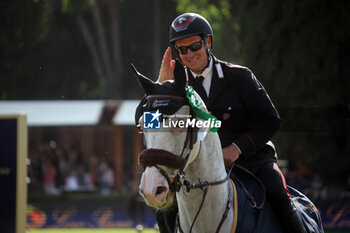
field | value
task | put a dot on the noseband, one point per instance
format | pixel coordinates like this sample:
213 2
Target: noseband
153 157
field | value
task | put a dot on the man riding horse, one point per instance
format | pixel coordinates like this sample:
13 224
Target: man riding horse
234 95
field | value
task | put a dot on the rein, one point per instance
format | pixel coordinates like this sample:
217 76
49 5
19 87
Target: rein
204 187
247 193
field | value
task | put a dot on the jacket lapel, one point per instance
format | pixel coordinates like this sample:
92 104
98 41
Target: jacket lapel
217 85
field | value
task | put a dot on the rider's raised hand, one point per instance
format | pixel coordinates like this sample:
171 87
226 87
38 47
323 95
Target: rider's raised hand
167 68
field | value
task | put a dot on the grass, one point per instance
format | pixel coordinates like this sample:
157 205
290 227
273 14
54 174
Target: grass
93 230
88 230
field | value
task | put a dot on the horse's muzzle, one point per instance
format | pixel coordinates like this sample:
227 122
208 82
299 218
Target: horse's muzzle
154 188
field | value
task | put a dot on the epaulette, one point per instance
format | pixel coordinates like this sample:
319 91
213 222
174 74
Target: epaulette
234 66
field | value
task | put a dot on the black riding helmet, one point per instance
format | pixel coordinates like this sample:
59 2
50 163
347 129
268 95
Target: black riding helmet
190 24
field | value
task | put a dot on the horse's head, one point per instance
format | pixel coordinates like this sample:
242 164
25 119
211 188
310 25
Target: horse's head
169 146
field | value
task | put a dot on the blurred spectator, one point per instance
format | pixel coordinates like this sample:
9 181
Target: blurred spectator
49 175
107 178
71 182
84 180
62 165
54 168
94 170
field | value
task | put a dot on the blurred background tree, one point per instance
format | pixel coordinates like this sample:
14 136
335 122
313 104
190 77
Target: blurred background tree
81 49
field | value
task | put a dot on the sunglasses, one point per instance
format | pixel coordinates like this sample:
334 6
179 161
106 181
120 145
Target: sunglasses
193 47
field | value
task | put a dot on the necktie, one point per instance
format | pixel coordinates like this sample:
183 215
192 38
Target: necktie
200 89
199 80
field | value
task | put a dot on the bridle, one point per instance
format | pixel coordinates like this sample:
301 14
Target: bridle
191 135
180 180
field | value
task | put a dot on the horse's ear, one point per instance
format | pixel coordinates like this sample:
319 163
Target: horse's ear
180 77
146 83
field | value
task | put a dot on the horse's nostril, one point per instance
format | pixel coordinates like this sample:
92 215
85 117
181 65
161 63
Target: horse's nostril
160 189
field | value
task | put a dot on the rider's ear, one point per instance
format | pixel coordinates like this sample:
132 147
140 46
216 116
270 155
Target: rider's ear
146 83
180 77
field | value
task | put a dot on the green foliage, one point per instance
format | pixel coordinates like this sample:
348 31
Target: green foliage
297 50
225 29
48 51
42 59
72 6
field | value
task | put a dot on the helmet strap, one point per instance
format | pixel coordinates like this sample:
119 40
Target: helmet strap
206 47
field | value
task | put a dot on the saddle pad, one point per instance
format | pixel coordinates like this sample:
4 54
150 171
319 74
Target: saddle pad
307 211
252 220
265 220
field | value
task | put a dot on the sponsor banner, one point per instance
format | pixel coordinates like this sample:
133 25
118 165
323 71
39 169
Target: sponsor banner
73 217
334 217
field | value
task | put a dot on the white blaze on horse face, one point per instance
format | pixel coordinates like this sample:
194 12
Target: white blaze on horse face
155 189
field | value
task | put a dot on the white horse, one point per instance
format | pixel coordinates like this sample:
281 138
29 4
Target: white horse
182 161
207 165
205 162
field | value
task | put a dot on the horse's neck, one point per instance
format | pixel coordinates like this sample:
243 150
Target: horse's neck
208 166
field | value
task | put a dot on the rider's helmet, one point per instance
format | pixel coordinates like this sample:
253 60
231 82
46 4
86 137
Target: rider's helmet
189 24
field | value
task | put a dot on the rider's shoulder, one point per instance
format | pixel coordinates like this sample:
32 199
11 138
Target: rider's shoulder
236 70
234 66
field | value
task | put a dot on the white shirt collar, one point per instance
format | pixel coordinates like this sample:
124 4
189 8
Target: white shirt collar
207 72
207 75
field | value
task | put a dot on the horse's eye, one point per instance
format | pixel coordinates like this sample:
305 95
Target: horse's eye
178 125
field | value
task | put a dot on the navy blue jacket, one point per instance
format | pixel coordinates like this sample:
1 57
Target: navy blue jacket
249 119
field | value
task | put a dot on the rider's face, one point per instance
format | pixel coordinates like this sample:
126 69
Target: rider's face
195 60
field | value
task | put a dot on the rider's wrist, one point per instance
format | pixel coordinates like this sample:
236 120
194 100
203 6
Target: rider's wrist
239 150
